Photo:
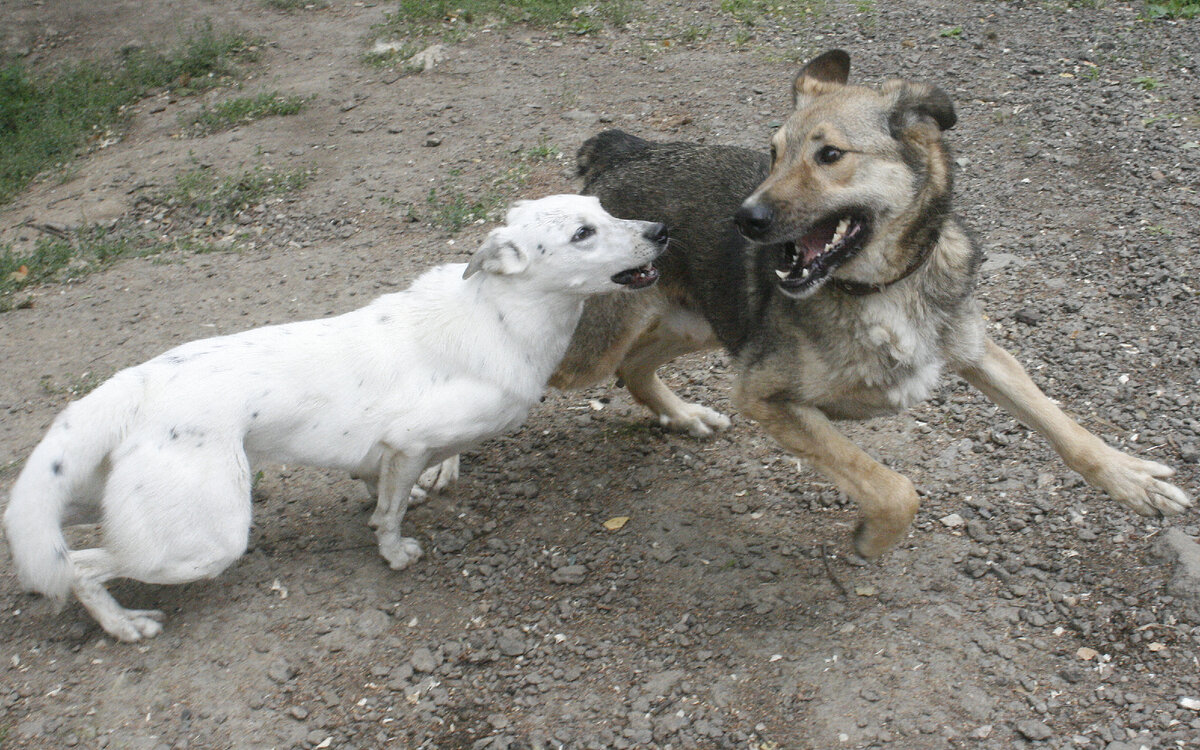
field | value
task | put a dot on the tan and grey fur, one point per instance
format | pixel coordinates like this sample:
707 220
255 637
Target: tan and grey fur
870 338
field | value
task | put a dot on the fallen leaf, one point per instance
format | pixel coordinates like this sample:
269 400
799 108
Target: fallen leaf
19 275
615 523
1087 654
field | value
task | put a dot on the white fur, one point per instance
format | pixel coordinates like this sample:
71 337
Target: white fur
164 452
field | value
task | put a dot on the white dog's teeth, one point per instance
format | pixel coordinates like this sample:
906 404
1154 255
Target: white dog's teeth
782 274
804 273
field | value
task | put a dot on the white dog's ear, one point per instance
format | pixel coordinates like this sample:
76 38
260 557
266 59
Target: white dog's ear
498 254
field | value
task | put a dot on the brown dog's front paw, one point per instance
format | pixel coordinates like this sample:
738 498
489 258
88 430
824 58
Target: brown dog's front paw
884 524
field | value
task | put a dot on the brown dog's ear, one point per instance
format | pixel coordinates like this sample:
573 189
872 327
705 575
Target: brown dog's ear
498 254
916 102
824 73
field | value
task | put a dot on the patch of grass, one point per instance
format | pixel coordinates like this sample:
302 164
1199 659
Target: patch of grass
452 209
290 5
1172 10
69 254
46 118
77 387
952 31
205 192
752 12
74 254
243 109
1149 83
440 17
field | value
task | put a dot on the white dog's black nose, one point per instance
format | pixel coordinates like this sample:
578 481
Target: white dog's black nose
754 219
657 233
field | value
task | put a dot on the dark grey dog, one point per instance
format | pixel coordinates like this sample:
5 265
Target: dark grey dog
853 291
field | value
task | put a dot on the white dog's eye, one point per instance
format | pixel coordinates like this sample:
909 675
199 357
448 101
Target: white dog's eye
583 233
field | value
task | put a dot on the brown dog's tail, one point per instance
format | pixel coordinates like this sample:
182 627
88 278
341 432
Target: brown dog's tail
604 149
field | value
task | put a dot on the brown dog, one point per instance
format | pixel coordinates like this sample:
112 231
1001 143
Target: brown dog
835 276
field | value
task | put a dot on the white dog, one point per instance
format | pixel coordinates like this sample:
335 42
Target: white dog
162 453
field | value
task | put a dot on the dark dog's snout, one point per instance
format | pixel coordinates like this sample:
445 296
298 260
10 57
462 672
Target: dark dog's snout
657 233
754 219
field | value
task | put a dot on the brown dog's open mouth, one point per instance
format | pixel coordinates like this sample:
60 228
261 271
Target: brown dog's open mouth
808 260
637 278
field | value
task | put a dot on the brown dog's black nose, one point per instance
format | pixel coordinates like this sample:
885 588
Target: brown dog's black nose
754 219
657 233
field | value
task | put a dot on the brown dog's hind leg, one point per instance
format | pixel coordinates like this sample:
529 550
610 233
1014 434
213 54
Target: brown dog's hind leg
657 346
886 500
1131 481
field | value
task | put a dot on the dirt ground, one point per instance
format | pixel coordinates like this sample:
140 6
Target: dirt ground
1024 610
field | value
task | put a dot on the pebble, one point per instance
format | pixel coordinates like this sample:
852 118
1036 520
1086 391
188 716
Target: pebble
1032 729
423 660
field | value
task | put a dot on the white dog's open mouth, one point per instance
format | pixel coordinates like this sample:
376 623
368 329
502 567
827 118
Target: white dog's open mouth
808 260
637 278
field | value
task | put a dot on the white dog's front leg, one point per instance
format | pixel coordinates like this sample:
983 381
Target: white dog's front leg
398 473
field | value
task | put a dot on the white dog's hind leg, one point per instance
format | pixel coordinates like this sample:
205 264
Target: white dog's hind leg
437 478
397 476
92 568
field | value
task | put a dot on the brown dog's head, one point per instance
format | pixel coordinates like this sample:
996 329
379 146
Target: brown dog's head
859 178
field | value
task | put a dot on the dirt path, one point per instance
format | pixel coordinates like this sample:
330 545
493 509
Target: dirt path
725 613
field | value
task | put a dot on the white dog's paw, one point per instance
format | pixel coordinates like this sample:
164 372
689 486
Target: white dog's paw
416 496
696 420
399 551
131 625
1138 485
438 478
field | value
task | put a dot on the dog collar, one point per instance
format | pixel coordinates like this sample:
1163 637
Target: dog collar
854 288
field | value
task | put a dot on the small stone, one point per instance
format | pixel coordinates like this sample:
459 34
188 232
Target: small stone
1028 316
952 521
299 713
1032 729
423 660
280 671
433 141
511 643
569 574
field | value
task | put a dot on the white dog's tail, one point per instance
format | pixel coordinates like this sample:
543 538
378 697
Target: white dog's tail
68 464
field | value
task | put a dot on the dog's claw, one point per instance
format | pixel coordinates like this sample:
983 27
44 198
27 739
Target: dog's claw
696 420
1138 485
400 552
135 624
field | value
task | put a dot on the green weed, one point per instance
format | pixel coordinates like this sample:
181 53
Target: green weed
1172 10
1149 83
205 192
439 17
290 5
46 118
752 12
243 109
952 32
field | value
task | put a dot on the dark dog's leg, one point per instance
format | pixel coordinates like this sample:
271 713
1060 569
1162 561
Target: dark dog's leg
638 369
886 500
1131 481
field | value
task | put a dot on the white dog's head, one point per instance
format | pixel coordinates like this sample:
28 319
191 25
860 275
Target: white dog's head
569 243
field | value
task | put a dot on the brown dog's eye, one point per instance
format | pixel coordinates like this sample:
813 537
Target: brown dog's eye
829 154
